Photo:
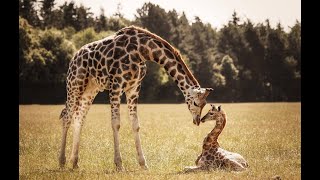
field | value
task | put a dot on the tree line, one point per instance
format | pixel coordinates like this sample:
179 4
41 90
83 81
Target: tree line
242 61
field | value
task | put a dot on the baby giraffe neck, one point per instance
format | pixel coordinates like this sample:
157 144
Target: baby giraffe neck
212 137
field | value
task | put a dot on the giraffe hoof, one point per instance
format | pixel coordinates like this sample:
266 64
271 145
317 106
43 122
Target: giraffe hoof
144 167
62 161
75 166
120 168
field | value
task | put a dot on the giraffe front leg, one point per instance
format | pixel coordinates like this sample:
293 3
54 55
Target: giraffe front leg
115 121
132 99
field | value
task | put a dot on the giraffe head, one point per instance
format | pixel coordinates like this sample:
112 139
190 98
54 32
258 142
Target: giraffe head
213 114
196 100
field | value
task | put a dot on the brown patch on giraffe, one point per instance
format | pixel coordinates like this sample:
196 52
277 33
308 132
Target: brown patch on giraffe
127 76
118 53
135 57
116 64
173 73
125 60
121 38
179 77
144 52
131 47
133 40
168 54
103 61
134 67
106 42
169 64
124 67
156 55
130 32
110 53
113 71
144 40
158 43
95 64
162 60
152 45
180 69
91 54
119 71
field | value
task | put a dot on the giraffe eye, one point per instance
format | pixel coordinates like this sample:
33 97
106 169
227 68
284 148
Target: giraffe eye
195 104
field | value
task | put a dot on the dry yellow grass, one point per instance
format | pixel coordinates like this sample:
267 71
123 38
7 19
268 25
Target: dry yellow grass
267 135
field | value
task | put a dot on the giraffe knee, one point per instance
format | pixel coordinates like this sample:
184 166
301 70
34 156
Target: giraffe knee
136 128
115 126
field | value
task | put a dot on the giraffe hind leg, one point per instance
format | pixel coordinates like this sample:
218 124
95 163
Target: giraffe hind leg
83 105
64 117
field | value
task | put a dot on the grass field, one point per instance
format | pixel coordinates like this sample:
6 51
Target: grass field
267 135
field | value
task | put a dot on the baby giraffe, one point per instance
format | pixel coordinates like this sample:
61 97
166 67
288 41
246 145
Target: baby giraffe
213 156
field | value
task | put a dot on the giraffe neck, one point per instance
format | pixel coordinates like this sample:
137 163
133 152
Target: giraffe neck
154 48
212 137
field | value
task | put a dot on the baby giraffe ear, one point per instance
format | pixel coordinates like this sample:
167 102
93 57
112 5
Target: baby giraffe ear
219 108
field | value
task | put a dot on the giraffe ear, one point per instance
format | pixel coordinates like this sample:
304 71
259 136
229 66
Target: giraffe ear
219 108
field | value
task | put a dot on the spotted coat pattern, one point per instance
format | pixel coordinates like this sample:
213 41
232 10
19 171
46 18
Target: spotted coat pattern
213 156
118 64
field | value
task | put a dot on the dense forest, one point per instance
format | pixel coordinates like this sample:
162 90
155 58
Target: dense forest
243 61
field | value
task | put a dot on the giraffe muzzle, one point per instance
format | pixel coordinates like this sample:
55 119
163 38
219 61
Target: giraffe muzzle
196 120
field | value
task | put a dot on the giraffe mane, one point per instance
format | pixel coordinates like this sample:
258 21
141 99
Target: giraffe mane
167 45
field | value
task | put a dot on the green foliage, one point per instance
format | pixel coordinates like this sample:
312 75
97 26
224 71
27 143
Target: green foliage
87 36
69 32
84 37
242 61
46 12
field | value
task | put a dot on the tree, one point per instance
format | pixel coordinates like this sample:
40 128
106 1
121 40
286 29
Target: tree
118 13
255 62
26 44
235 18
275 60
28 12
155 19
46 12
101 22
83 18
68 15
294 43
201 54
62 51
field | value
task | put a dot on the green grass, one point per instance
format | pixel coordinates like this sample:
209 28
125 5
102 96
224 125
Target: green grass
267 135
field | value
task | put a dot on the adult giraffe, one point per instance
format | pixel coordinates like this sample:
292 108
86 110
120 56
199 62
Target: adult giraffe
117 63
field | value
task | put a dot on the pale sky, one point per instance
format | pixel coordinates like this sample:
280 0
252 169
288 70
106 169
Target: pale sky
215 12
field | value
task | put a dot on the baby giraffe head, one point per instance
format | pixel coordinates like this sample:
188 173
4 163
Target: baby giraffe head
213 114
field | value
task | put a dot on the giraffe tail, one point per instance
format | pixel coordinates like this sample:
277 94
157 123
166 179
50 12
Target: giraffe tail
63 113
